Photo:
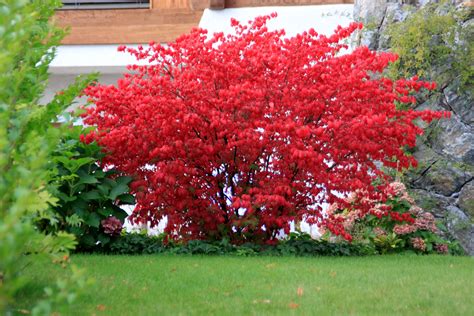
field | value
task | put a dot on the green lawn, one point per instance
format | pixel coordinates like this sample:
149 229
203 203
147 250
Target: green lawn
182 285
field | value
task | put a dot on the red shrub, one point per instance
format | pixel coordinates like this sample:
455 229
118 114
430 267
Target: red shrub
236 136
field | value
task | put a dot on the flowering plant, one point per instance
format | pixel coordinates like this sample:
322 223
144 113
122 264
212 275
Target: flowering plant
112 226
86 193
237 136
394 225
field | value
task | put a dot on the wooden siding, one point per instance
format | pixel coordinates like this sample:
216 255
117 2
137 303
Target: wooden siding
163 22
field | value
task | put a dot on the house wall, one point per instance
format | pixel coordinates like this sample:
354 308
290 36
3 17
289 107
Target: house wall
163 22
73 60
94 35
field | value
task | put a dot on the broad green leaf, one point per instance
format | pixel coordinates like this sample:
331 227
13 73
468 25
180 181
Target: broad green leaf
91 195
119 213
88 240
118 190
110 182
105 212
104 239
79 205
65 198
99 174
126 198
87 178
93 220
123 180
103 189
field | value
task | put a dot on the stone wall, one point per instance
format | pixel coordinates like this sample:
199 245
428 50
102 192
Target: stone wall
444 184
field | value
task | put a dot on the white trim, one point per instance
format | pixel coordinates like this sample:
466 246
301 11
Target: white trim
294 19
80 59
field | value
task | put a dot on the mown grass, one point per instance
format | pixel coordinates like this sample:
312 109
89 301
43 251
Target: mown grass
185 285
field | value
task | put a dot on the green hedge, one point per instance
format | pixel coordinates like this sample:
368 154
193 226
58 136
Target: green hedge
295 245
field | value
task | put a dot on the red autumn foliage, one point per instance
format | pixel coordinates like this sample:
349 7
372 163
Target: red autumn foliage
238 135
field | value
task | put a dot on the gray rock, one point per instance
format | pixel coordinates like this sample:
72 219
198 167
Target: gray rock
460 103
461 228
443 178
396 12
424 2
458 224
455 140
372 14
432 202
466 199
425 156
366 38
432 102
370 11
444 78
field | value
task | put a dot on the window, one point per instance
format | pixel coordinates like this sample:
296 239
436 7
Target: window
105 4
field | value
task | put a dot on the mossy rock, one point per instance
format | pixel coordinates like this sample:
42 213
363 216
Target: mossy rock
466 199
442 177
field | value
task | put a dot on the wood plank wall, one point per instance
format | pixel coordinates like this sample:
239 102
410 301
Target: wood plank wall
163 22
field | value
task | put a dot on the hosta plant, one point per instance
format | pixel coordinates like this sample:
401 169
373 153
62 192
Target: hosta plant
236 136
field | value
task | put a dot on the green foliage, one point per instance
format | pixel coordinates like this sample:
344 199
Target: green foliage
370 242
86 193
27 138
295 245
434 38
65 290
387 243
382 233
135 244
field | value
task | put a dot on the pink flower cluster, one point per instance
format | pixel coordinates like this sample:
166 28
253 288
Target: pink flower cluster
379 231
404 229
442 249
426 221
415 210
399 190
112 226
415 219
418 243
423 221
406 223
347 217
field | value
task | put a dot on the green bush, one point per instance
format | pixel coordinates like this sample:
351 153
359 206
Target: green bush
27 139
295 245
434 37
135 244
87 194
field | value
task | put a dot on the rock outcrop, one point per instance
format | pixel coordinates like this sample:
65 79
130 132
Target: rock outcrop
444 183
